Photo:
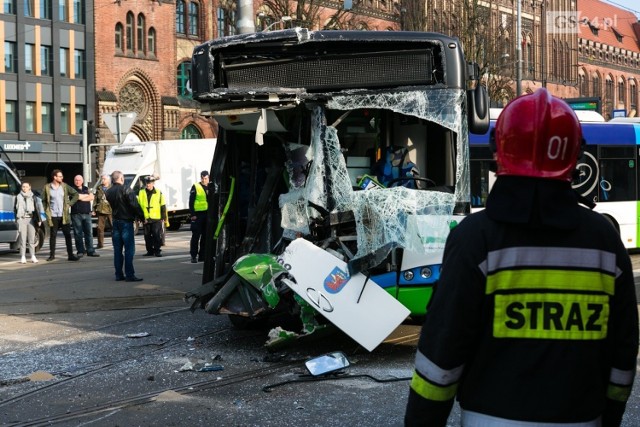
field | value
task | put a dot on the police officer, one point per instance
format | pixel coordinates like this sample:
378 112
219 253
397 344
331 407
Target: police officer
152 203
535 320
198 209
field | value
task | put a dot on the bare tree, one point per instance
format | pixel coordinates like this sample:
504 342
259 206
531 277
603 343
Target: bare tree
413 15
314 13
485 43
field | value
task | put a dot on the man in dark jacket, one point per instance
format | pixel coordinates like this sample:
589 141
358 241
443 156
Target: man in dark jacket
198 208
125 210
535 320
81 219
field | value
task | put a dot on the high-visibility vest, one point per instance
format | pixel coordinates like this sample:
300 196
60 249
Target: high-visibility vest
200 203
151 208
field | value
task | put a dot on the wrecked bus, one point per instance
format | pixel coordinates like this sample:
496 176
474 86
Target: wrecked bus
350 143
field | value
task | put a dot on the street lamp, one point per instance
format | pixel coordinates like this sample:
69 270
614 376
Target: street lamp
519 49
543 42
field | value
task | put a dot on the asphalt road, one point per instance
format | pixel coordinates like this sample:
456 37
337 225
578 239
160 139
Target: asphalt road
71 354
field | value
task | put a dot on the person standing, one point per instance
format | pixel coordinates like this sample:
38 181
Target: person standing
81 219
154 207
102 208
28 216
57 199
125 210
534 321
198 209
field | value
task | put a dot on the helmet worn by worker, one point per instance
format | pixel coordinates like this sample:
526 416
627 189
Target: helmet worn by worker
538 136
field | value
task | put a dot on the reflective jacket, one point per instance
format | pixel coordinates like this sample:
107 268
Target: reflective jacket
151 207
534 319
197 199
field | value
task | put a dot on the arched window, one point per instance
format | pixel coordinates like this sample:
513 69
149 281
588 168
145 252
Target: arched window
141 30
567 63
608 90
555 60
194 18
633 94
182 79
119 33
528 65
595 85
180 17
583 83
227 22
190 132
151 42
129 35
622 90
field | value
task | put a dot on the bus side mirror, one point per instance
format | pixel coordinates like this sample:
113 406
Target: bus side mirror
478 109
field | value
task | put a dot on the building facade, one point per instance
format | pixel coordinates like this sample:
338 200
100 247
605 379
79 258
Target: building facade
67 61
609 57
47 86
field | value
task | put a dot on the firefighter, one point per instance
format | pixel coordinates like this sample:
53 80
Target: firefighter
534 321
152 202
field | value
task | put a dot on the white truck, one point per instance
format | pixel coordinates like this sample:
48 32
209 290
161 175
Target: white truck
175 163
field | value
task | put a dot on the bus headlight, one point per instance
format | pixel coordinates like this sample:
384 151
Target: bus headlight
408 275
425 272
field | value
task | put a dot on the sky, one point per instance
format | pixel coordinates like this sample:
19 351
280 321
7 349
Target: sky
634 5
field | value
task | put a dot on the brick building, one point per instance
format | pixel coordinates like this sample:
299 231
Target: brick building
75 60
46 83
142 59
609 57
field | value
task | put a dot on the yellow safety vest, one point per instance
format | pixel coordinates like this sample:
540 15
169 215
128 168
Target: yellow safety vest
200 203
151 208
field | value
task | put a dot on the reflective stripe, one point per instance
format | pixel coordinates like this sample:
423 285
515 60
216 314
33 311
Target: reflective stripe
621 394
475 419
618 376
431 391
592 259
551 316
571 280
434 373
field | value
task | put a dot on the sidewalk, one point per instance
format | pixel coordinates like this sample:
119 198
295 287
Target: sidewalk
49 286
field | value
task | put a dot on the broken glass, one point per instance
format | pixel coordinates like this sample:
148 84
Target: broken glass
414 219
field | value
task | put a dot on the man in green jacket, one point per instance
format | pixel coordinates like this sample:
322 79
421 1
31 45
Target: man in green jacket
102 208
57 199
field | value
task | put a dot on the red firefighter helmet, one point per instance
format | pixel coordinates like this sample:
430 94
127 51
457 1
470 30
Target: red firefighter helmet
538 136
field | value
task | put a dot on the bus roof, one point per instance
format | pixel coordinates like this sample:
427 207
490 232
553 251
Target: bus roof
595 133
583 116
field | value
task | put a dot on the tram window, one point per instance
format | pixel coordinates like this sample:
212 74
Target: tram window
617 181
627 152
481 162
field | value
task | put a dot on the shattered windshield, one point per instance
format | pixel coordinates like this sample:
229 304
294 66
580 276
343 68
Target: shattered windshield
407 216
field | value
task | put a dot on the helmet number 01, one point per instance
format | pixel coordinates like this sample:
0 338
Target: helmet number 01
557 147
